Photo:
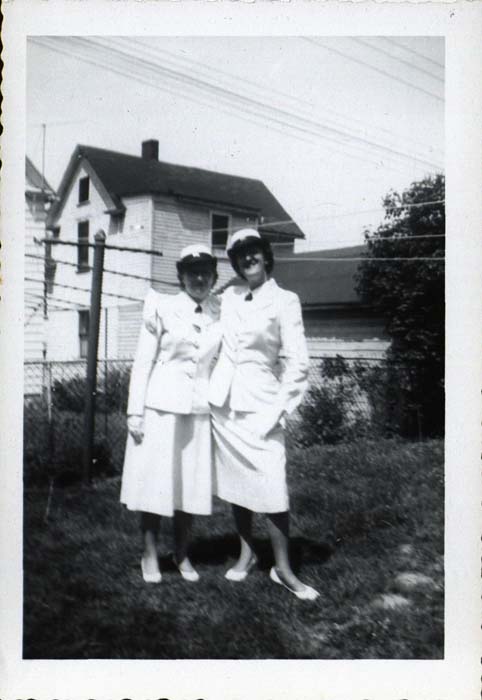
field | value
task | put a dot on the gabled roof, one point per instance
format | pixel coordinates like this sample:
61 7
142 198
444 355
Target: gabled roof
318 282
34 182
124 175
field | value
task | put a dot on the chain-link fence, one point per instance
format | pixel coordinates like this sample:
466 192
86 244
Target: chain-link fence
54 418
347 399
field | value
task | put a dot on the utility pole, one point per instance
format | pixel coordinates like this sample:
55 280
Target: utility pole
44 129
91 380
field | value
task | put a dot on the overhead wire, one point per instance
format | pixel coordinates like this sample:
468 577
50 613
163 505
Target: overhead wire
351 213
217 86
367 258
307 126
194 66
106 270
419 54
260 119
317 42
35 308
163 88
363 42
402 205
218 90
57 301
107 246
82 289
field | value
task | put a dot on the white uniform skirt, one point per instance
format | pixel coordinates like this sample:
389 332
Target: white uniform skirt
171 469
249 471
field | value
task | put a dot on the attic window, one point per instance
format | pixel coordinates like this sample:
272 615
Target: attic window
83 190
116 223
219 231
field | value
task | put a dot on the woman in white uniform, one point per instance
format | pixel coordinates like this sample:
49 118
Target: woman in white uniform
261 324
168 461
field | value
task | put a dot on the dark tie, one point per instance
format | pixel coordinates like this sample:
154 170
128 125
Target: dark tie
198 309
248 297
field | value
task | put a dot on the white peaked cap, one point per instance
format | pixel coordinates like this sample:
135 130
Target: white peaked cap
241 235
197 250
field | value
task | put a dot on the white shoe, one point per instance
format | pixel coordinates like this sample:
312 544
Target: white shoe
192 576
234 575
308 593
150 578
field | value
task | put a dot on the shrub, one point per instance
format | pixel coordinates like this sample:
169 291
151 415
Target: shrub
113 397
329 413
69 394
410 296
55 451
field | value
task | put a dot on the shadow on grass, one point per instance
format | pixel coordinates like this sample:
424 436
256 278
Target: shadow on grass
224 548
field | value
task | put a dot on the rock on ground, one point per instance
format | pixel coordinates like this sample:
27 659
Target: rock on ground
409 581
391 601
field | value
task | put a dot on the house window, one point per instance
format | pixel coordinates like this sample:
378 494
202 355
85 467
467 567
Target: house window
83 190
83 248
84 323
219 231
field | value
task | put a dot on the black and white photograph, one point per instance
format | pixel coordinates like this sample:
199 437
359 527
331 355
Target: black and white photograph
236 440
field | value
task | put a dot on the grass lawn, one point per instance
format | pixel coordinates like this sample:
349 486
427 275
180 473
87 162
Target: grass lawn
363 514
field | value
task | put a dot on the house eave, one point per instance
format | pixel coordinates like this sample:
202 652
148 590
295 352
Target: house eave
115 211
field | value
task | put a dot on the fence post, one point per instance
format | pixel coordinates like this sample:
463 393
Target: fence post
91 383
106 371
419 424
47 401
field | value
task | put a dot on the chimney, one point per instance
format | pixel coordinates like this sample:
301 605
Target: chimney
150 150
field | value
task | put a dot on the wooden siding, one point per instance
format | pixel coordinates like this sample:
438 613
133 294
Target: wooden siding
129 324
349 349
344 325
34 327
349 334
63 337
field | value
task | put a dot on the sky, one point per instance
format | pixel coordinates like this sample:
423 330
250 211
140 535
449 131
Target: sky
330 124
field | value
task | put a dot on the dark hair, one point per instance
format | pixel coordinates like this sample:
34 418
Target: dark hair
184 267
262 243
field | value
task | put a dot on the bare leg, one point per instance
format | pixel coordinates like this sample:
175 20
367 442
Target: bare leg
182 534
243 519
278 527
150 529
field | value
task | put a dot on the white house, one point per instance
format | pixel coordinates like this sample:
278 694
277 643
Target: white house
140 201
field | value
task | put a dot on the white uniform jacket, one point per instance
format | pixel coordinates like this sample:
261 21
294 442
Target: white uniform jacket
175 354
256 335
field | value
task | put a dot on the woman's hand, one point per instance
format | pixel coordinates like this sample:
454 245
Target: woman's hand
135 426
268 421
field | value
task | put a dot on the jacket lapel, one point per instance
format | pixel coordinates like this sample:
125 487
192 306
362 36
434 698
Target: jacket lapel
265 297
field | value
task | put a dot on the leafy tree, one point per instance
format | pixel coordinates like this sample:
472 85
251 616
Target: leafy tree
410 295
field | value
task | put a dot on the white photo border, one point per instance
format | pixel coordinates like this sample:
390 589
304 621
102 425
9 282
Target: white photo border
458 674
